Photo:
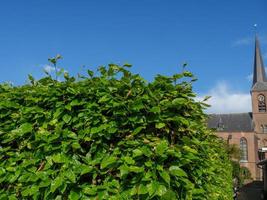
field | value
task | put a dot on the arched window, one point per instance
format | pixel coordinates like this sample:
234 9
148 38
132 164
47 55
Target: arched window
243 149
261 103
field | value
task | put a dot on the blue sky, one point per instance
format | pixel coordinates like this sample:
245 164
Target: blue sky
214 37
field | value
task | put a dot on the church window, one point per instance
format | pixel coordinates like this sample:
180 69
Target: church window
261 103
264 128
243 149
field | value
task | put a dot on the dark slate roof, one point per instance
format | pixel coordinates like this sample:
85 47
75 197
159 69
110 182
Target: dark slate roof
259 75
259 86
234 122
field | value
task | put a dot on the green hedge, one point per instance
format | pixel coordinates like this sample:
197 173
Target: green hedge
109 136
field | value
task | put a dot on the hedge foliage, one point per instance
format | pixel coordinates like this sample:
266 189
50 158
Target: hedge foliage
109 136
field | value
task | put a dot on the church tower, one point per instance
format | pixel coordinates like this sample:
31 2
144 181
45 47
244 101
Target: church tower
259 92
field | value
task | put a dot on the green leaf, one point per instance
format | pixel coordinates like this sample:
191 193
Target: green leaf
206 98
112 130
155 109
86 169
71 135
66 118
11 197
71 90
96 130
137 152
169 195
160 125
149 163
30 77
133 191
66 75
104 99
107 161
74 196
25 128
90 191
127 65
58 197
161 147
56 184
138 106
52 60
179 101
124 170
90 73
68 107
75 102
198 191
189 149
136 169
30 191
166 177
152 188
76 145
129 160
142 189
59 158
187 74
137 130
177 171
70 175
161 190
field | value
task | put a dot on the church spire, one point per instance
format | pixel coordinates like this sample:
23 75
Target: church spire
259 71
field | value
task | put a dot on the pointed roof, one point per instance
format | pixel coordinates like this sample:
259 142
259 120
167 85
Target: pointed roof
259 75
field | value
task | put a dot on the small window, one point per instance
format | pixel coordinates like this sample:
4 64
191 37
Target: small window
243 150
261 103
264 128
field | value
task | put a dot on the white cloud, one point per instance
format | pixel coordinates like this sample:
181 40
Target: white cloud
265 55
224 100
48 68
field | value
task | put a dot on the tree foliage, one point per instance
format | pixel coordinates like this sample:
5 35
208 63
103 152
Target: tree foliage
240 173
109 136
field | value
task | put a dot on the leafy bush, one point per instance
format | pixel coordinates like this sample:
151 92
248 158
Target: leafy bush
232 150
240 174
109 136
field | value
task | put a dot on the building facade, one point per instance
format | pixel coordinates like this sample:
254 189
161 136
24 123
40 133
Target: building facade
248 130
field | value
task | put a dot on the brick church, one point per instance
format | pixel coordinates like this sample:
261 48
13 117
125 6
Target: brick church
248 130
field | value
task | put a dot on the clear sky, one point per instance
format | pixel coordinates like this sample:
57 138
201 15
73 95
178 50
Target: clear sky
215 38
